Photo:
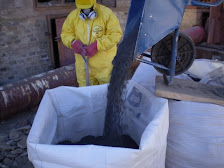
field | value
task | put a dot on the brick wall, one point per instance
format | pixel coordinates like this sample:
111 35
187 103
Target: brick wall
24 47
24 51
193 16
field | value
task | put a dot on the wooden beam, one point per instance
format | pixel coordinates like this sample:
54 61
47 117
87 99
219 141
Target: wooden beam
207 52
190 91
214 24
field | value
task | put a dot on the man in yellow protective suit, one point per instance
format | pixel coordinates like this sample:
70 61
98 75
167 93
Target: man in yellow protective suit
93 32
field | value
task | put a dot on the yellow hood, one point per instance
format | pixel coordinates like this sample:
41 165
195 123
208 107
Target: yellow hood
85 4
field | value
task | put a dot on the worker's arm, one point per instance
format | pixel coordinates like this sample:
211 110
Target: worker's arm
68 31
112 35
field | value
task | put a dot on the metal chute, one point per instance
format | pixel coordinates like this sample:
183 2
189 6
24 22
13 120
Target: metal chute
150 21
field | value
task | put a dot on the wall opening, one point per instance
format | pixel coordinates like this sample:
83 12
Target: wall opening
205 16
54 43
60 55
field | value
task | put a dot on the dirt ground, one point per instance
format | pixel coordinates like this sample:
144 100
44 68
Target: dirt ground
13 135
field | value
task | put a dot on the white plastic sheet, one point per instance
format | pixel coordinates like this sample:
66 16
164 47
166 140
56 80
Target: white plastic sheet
68 113
215 77
201 67
196 130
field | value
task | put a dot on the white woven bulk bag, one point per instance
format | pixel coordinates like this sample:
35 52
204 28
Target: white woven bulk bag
68 113
196 135
196 130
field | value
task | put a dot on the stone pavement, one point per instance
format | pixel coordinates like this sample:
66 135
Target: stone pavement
13 135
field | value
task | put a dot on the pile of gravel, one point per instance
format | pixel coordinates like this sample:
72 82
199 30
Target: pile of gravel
125 142
116 89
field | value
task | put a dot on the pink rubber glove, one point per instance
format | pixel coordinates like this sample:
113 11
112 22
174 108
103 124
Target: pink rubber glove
91 49
79 48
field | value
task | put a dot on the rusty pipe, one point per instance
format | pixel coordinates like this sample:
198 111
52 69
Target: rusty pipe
196 33
27 93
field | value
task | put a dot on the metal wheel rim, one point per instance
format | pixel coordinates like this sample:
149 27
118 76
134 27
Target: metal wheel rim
162 53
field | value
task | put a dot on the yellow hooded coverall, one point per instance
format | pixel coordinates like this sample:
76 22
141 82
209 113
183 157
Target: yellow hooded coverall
105 29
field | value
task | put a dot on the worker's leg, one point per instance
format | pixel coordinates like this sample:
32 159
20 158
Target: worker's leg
92 79
81 78
104 76
81 74
101 65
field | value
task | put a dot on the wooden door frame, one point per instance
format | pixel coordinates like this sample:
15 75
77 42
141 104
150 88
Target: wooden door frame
50 34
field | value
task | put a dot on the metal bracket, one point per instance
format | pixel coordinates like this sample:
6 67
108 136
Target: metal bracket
174 56
152 63
204 4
